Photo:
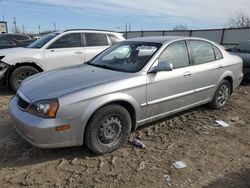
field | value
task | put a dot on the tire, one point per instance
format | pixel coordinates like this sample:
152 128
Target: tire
221 96
19 75
108 129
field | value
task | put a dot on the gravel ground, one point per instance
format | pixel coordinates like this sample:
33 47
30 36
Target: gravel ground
215 156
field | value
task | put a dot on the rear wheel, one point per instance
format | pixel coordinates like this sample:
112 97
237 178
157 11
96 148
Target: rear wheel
108 129
19 75
221 95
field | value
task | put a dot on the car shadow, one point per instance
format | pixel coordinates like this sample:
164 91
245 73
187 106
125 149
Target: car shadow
201 108
4 91
23 154
239 179
245 82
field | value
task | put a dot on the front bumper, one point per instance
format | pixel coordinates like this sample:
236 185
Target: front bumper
246 72
41 132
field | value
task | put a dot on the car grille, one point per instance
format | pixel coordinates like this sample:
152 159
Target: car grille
22 103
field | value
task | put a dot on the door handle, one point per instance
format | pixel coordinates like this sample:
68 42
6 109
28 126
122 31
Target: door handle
78 52
187 74
221 67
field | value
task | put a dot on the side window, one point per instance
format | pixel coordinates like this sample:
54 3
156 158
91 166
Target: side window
113 39
5 42
176 54
96 39
202 52
68 41
20 37
217 52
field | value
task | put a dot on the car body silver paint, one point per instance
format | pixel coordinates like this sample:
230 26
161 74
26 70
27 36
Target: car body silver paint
90 88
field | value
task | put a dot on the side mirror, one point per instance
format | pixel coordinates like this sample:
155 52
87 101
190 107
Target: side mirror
164 66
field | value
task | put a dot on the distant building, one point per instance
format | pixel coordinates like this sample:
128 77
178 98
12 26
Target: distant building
3 27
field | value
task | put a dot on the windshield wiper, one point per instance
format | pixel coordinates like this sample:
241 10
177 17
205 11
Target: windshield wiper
101 66
105 67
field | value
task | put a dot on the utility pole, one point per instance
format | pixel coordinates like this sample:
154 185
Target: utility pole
15 27
39 29
129 27
55 26
23 29
3 18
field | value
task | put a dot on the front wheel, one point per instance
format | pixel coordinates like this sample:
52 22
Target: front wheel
221 95
108 129
19 75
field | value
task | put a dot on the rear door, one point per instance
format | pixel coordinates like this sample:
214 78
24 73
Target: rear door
170 91
67 50
94 43
6 43
208 65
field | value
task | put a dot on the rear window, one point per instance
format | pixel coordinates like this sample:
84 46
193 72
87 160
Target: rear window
96 39
202 51
5 42
244 47
217 52
113 39
20 37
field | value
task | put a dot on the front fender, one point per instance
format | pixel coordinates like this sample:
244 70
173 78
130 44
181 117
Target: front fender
110 98
13 60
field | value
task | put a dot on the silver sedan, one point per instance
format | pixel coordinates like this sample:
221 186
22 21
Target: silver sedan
131 83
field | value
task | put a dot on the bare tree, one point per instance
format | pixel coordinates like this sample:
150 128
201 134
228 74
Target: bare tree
180 28
240 20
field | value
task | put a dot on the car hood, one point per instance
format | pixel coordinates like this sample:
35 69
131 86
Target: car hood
56 83
10 51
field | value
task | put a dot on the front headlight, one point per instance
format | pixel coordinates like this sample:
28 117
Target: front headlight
44 108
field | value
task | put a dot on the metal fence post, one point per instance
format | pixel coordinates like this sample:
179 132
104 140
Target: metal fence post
191 31
222 36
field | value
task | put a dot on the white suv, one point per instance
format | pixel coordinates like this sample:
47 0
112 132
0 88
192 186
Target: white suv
52 51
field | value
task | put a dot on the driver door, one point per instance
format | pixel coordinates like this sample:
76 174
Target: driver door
67 50
170 91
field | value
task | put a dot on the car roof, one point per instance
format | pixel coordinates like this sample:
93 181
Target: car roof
92 30
11 34
162 39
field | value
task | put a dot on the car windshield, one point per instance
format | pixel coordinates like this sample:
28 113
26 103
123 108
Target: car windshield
126 56
243 47
42 41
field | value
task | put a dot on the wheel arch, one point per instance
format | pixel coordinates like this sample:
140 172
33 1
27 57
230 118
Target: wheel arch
228 75
230 80
129 105
17 65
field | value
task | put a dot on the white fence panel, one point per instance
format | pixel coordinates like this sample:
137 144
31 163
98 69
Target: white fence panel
152 33
214 35
133 34
232 36
177 33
